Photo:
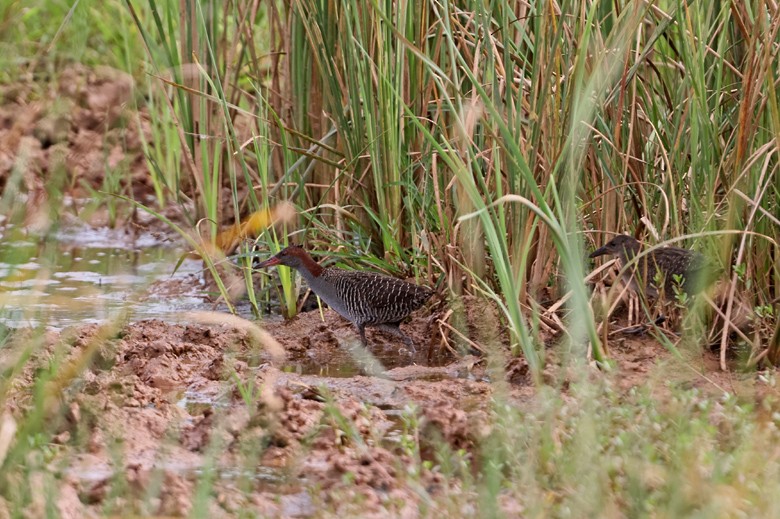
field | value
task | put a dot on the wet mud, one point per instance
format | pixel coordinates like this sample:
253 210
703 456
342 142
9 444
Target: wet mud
159 405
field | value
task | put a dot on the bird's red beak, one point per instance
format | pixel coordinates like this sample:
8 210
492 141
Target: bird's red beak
270 262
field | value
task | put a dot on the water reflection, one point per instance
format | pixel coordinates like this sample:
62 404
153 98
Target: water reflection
83 275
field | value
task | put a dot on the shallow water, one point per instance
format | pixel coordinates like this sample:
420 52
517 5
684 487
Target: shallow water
85 275
195 402
352 360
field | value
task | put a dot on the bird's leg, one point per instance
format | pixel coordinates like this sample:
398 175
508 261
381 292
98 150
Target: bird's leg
361 328
395 329
641 328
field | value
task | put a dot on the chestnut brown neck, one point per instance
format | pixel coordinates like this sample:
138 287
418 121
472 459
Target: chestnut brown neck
308 263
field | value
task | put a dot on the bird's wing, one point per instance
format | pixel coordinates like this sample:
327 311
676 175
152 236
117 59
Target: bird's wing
388 297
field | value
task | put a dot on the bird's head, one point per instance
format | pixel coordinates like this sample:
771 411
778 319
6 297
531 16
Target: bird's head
621 245
293 256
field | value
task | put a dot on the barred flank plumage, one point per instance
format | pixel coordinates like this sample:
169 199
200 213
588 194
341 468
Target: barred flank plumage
688 265
364 298
369 298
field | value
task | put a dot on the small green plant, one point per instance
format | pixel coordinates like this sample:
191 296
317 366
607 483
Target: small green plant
764 311
740 269
659 281
410 431
680 295
248 391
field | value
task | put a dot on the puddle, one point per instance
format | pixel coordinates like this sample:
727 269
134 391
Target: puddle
398 433
297 505
84 275
330 369
272 478
349 359
196 403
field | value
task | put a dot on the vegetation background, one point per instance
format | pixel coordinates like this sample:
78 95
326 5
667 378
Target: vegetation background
482 147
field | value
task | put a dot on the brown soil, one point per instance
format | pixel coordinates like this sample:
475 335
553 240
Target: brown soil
158 402
67 134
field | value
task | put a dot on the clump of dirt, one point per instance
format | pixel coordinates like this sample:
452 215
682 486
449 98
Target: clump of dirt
636 354
84 129
84 124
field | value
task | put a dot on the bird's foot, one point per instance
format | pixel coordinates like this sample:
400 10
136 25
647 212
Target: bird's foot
641 329
410 349
396 331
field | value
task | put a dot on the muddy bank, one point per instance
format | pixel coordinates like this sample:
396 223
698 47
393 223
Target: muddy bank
159 405
70 137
